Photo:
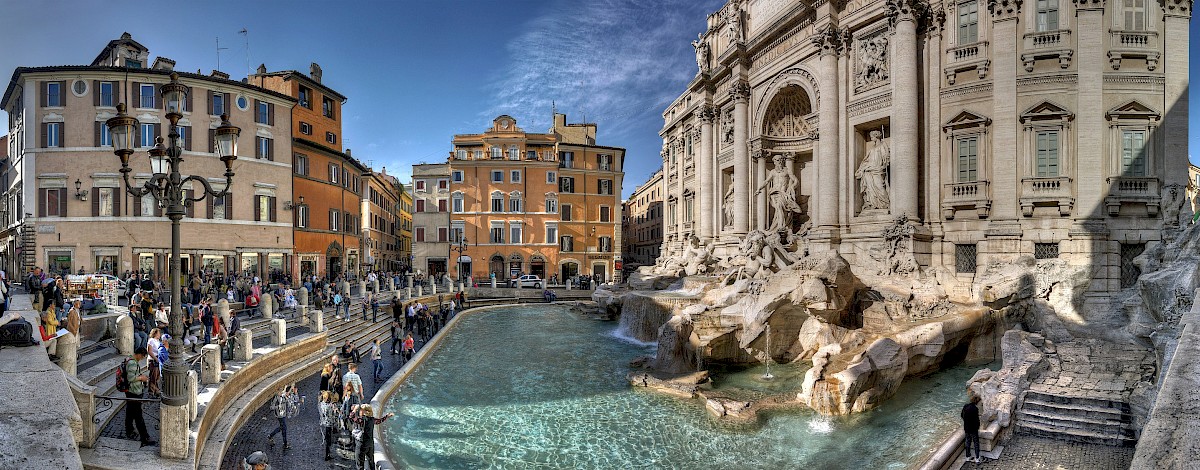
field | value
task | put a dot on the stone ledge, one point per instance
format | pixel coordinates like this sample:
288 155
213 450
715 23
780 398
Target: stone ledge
1171 439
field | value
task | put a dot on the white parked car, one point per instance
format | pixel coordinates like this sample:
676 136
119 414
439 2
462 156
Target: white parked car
528 280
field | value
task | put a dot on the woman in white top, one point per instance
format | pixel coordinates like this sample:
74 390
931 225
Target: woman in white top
160 316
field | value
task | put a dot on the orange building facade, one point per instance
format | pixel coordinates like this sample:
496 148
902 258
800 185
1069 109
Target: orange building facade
326 182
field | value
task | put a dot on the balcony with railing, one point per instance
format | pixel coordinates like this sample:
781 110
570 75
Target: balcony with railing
1133 44
1126 190
972 195
1055 191
1047 45
966 57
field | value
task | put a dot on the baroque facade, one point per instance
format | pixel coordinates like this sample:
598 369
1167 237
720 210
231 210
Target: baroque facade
984 130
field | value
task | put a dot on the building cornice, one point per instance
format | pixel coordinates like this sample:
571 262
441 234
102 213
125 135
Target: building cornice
15 81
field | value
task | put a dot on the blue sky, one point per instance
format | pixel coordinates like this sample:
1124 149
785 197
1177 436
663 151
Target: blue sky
418 71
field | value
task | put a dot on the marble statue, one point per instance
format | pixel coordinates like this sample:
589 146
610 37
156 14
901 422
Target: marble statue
872 174
701 47
900 259
780 186
733 23
697 259
872 62
727 127
1174 197
727 206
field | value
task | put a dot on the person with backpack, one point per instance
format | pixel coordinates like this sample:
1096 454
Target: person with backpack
234 325
132 376
330 419
206 319
286 405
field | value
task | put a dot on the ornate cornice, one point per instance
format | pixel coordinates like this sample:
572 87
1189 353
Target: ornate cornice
829 40
739 91
935 21
1005 9
1089 4
905 10
707 113
1177 8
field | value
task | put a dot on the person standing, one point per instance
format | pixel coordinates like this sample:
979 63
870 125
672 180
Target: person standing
337 303
366 304
408 347
397 341
136 374
365 422
377 360
330 418
970 417
353 383
286 405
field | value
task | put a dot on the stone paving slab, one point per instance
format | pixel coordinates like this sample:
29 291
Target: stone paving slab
1038 453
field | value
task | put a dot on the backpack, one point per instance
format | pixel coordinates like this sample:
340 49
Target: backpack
18 332
122 377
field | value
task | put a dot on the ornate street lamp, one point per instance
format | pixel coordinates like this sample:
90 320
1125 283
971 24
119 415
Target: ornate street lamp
460 248
166 186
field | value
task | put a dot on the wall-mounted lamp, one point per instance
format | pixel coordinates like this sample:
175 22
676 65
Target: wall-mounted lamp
79 192
289 205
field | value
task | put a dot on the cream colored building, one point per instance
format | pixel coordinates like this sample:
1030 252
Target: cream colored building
1005 128
66 207
642 223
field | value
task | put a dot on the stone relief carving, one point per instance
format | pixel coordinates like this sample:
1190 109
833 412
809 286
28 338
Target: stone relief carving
780 186
701 47
727 126
898 236
1174 196
872 174
872 67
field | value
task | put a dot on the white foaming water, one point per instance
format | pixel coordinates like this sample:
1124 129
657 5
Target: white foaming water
820 425
619 334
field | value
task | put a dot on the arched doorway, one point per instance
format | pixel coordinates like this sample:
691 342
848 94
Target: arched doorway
537 266
516 265
569 270
333 260
496 267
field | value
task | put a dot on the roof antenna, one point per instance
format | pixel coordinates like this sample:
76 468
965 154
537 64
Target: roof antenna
246 38
219 49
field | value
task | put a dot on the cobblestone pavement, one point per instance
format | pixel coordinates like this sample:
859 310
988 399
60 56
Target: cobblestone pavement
1040 453
304 433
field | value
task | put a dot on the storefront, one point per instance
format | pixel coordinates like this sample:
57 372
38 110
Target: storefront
59 260
537 266
107 260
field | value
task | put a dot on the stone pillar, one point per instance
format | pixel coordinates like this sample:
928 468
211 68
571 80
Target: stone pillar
174 430
433 287
740 93
410 280
222 310
68 353
302 296
210 370
829 42
905 131
345 288
1177 15
420 291
125 335
362 288
317 323
302 312
267 306
408 292
704 173
243 348
278 332
1005 181
193 386
760 198
391 283
493 283
375 286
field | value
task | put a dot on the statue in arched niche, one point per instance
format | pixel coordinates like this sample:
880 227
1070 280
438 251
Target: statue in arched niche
872 174
780 186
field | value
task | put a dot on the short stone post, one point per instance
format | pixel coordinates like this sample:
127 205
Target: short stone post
278 332
223 310
410 281
68 353
302 296
408 292
569 283
362 288
471 280
267 306
391 283
243 348
375 286
174 435
493 283
432 288
345 286
318 319
420 291
193 391
125 335
302 311
210 372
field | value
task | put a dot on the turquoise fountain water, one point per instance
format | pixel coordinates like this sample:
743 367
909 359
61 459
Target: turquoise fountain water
540 387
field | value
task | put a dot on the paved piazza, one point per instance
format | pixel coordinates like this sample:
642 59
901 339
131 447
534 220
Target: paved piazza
1038 453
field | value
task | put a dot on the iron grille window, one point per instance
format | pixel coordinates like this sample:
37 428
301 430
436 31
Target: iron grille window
1045 250
965 258
1130 271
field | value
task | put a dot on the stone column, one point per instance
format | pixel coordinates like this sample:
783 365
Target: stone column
317 323
267 306
1005 181
68 353
905 131
210 370
243 347
740 93
705 171
193 385
174 431
829 43
222 310
1177 15
278 332
302 296
679 209
760 198
125 335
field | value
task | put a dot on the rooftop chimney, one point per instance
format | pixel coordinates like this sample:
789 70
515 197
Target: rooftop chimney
314 71
219 74
348 154
262 69
163 63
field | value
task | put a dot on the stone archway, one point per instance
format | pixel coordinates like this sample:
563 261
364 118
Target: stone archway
785 116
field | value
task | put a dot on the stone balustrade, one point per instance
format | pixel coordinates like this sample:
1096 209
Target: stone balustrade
1053 191
966 196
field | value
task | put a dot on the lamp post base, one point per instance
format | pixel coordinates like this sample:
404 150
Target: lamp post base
173 420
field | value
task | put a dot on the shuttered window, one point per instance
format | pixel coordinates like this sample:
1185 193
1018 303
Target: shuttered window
968 22
1133 153
52 202
968 159
1047 154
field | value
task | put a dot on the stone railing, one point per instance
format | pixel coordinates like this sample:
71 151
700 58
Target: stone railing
1047 191
1047 39
966 57
965 196
1133 39
1132 189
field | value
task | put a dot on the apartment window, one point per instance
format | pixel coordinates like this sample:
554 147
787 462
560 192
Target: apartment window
148 134
566 243
606 187
478 154
54 94
497 234
133 64
443 184
551 233
327 107
457 203
420 185
147 206
305 128
968 22
1135 14
497 203
442 205
300 164
1047 15
460 154
456 234
531 154
302 216
262 114
52 202
264 208
968 158
419 234
106 94
457 176
566 159
566 213
305 97
331 137
218 104
263 148
147 96
1045 250
605 161
497 176
335 173
497 153
964 259
514 231
1133 153
566 184
514 203
515 176
605 244
605 214
552 205
514 153
54 134
1047 154
551 177
105 135
220 208
335 220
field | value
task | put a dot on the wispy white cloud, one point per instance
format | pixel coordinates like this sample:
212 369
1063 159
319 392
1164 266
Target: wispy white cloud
618 63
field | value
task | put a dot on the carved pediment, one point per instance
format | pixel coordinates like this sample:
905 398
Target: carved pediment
964 120
1133 110
1046 110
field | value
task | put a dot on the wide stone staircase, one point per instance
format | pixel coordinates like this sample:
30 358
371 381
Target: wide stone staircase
1084 397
